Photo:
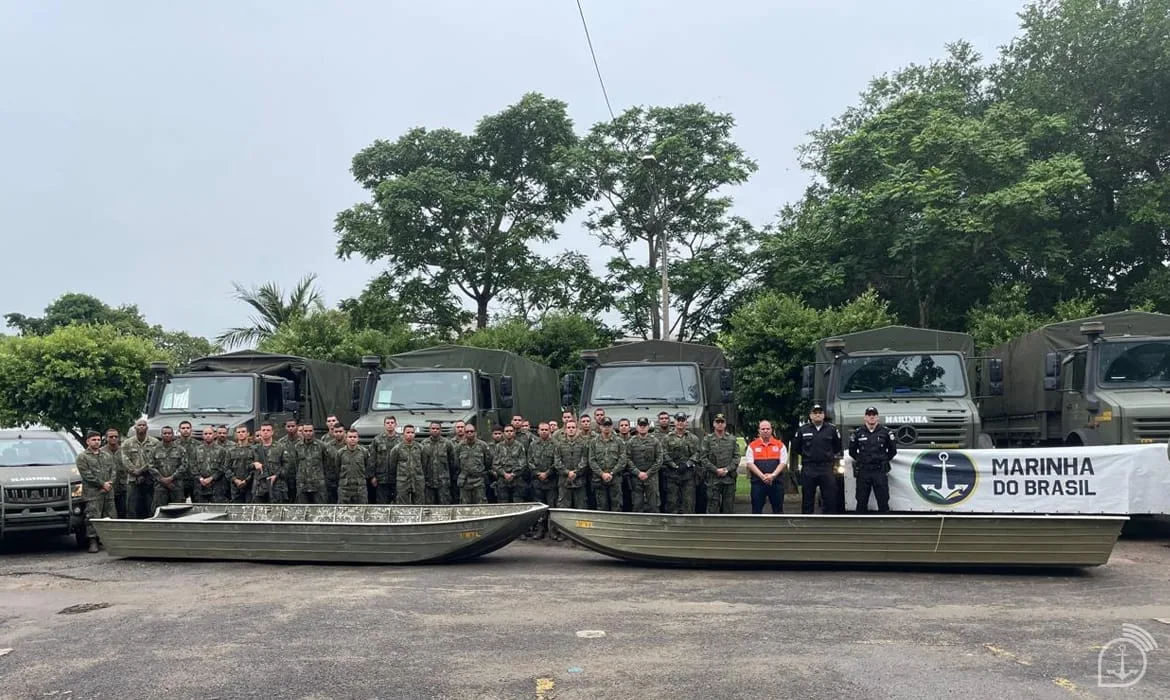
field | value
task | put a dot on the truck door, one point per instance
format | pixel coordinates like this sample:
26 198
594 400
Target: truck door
1075 412
485 407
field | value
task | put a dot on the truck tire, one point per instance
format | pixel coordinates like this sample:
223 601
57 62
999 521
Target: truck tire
983 441
80 538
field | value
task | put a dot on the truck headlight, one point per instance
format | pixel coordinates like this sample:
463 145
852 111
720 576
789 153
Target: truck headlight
78 491
840 467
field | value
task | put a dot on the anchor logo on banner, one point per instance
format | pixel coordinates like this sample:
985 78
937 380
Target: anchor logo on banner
944 478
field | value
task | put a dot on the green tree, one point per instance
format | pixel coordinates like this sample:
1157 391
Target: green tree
1008 314
770 340
272 309
565 281
388 302
75 378
329 335
555 341
463 211
1104 67
933 192
678 196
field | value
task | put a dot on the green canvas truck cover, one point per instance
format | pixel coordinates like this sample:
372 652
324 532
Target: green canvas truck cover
535 387
1023 358
327 390
900 339
709 358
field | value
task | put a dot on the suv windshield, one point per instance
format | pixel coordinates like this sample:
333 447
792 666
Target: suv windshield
1136 363
23 452
903 375
641 384
452 389
204 394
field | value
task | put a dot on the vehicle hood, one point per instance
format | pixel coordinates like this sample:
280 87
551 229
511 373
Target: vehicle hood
59 474
921 410
1148 402
618 411
155 424
373 424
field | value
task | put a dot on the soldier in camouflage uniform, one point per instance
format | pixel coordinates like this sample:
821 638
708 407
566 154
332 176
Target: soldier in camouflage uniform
474 457
566 418
406 463
438 463
268 484
333 444
543 460
645 452
572 460
662 431
191 446
679 460
113 448
720 455
311 458
607 463
354 470
207 468
239 467
168 466
98 472
455 440
510 466
286 457
136 461
381 448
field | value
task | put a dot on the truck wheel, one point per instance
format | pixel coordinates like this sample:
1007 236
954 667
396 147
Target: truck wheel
983 441
80 538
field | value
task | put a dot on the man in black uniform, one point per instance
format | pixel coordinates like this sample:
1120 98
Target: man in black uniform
818 445
872 447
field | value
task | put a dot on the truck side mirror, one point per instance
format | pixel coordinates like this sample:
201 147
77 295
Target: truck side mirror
995 377
1051 371
726 395
149 399
808 379
355 400
288 390
505 391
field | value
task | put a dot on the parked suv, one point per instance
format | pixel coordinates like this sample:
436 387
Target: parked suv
40 487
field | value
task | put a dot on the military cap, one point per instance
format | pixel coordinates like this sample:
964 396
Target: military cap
871 410
643 420
720 418
817 407
680 416
607 421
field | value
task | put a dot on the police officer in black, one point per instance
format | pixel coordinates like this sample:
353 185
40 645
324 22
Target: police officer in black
818 445
872 447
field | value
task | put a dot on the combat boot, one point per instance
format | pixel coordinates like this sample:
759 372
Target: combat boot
93 545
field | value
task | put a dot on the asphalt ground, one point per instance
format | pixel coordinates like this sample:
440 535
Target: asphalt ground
551 620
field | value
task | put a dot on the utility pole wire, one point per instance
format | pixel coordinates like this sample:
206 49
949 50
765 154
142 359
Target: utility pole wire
596 66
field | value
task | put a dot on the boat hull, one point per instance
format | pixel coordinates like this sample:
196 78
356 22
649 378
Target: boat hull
320 533
761 540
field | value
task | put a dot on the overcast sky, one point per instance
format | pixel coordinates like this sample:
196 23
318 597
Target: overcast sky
155 152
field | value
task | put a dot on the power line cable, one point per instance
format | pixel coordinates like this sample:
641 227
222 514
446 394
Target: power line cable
596 66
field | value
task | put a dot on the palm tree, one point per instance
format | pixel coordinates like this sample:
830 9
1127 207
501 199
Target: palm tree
272 311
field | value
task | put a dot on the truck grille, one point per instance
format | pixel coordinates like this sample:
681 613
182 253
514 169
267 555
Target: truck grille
1148 430
36 494
941 431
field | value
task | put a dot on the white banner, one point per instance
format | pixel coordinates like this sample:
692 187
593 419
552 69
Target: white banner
1114 480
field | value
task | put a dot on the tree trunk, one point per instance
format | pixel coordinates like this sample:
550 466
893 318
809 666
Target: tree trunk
481 313
655 312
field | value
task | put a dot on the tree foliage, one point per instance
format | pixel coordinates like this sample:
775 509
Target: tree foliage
680 196
75 378
771 338
330 336
1008 314
451 210
272 310
556 341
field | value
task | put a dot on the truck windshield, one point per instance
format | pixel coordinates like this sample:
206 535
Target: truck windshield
640 384
451 389
1135 363
39 452
208 394
903 375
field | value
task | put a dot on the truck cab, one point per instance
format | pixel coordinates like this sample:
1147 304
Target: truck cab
217 398
1113 390
925 397
421 395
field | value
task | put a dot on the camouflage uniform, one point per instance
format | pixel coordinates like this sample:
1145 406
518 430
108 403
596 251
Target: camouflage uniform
331 475
438 459
475 460
168 462
208 464
406 463
120 479
510 458
678 451
645 454
238 465
572 456
286 461
720 452
136 462
354 469
607 456
265 489
191 447
311 458
96 470
543 460
381 448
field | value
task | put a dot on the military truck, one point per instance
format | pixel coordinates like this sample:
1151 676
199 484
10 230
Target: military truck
644 378
249 388
922 381
449 383
40 487
1100 380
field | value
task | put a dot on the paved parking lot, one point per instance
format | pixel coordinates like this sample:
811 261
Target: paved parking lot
544 620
